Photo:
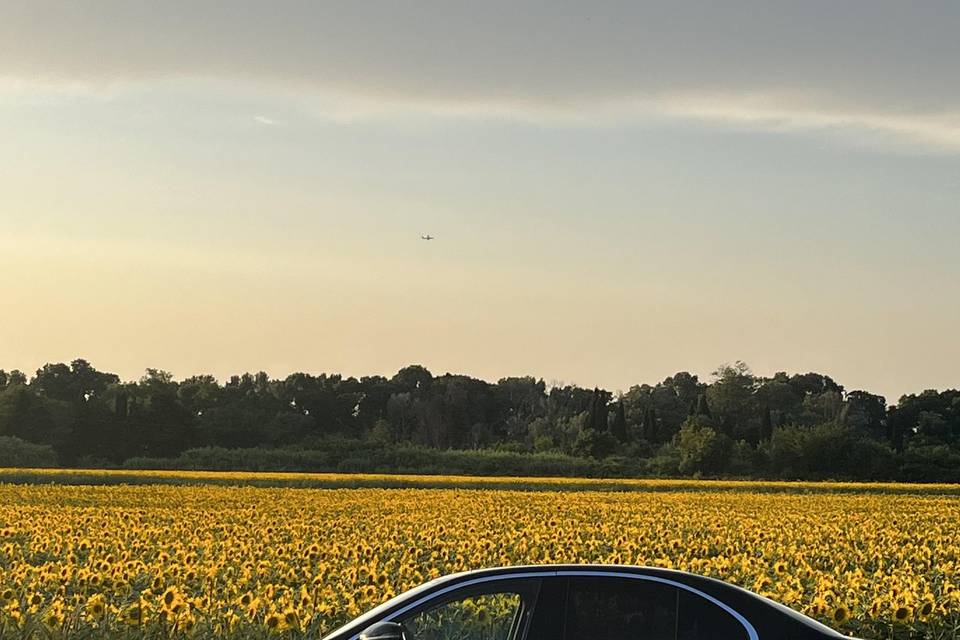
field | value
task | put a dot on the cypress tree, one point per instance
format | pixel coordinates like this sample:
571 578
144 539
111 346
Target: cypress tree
619 428
766 424
649 426
600 411
703 409
597 413
898 437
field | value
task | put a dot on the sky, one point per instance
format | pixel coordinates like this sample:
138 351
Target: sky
618 190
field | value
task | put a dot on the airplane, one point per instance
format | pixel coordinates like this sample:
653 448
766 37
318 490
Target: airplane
426 237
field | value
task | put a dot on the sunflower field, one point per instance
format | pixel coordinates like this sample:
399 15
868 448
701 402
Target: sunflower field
164 561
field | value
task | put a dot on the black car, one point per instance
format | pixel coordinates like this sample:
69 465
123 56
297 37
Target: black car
580 602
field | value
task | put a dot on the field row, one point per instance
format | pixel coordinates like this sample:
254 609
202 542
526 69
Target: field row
156 561
393 481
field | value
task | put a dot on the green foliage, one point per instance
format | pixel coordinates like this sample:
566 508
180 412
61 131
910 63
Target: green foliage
930 463
365 457
731 398
15 452
701 448
828 450
667 461
745 460
791 426
618 426
591 443
382 432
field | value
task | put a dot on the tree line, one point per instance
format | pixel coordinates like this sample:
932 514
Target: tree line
736 424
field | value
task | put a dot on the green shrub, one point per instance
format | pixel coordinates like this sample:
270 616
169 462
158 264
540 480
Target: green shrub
827 451
15 452
347 456
702 449
932 463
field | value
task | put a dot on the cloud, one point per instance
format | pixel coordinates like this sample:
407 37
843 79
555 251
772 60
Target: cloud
270 122
935 130
768 112
881 66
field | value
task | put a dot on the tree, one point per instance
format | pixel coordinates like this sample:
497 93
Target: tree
813 384
672 399
160 424
904 422
933 428
766 423
36 418
591 443
828 450
702 449
649 425
802 425
822 407
375 392
781 399
412 378
382 432
12 378
731 401
75 383
517 403
619 425
701 408
54 381
401 416
865 413
599 411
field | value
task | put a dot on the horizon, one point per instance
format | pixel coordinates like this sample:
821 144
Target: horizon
617 191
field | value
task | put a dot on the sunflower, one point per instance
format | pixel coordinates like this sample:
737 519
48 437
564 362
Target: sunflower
233 620
290 619
96 606
133 615
54 617
252 608
273 622
170 598
840 615
15 617
902 613
188 623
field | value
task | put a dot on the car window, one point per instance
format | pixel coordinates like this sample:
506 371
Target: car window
620 609
700 619
488 616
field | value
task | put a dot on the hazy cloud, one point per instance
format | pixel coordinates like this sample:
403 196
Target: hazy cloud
878 65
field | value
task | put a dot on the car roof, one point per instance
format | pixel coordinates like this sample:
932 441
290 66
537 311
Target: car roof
737 596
